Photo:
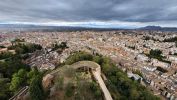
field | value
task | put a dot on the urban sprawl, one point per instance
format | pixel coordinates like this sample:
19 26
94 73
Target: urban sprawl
151 53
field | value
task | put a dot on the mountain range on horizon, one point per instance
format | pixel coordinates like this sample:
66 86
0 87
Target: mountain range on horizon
66 28
158 28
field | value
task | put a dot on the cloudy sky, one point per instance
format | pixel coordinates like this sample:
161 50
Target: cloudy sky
109 13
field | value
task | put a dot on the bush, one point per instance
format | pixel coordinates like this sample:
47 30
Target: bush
69 90
25 48
4 55
161 70
157 54
5 93
95 89
78 56
62 46
173 39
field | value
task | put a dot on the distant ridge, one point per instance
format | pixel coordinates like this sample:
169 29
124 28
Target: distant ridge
32 27
158 28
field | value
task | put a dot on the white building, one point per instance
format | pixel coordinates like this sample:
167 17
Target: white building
135 76
172 58
150 68
142 57
156 62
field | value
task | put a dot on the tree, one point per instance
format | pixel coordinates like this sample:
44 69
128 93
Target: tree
22 48
155 52
36 89
134 95
172 39
18 80
97 59
4 88
62 46
15 83
5 55
95 89
32 74
78 56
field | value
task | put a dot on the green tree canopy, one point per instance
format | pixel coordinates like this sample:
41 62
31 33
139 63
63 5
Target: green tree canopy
18 80
36 89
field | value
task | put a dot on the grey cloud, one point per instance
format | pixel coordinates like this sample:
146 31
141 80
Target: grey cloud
86 10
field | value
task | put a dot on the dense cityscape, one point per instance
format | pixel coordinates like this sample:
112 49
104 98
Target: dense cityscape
147 57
